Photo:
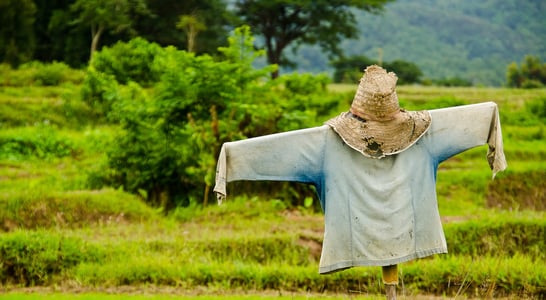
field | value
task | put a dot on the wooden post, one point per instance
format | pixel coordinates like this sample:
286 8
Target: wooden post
390 291
390 280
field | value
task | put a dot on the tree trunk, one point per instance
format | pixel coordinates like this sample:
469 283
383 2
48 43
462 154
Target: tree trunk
273 55
95 37
206 196
192 34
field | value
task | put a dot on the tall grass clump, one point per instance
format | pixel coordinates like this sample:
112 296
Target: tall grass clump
484 277
499 234
35 257
40 208
40 74
519 191
39 142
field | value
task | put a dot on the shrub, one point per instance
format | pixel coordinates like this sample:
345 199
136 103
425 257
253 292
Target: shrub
51 74
129 61
407 72
41 74
305 83
34 258
537 108
530 74
518 191
501 235
100 90
74 209
24 76
350 69
452 81
41 142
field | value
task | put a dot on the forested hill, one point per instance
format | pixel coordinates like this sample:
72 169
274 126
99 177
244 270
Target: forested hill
472 40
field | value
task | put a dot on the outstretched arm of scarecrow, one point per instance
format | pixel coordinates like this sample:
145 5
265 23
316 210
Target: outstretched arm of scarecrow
460 128
287 156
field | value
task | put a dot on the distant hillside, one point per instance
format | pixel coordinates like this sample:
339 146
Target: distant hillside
473 40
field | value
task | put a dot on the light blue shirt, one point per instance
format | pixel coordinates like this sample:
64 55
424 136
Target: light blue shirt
377 212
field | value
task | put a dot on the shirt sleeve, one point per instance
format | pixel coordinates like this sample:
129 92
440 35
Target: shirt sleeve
289 156
456 129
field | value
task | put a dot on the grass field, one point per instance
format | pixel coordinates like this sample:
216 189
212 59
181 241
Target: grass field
62 240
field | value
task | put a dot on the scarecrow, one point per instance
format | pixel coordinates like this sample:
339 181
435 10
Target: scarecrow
374 169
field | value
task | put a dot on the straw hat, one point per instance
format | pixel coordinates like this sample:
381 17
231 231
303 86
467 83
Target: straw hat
376 126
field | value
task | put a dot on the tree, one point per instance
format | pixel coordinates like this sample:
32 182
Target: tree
407 72
169 140
170 135
349 69
531 74
103 15
161 25
17 40
294 22
191 25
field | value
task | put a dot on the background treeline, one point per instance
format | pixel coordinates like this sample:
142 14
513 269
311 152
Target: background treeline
472 41
435 42
62 30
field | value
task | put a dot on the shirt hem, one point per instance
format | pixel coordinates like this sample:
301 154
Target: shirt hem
383 262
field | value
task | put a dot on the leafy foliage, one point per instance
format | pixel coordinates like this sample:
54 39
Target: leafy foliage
103 15
39 74
474 41
16 35
171 136
349 69
161 26
130 61
282 23
100 90
531 73
41 143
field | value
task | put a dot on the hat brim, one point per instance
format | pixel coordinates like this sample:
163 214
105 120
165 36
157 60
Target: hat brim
377 139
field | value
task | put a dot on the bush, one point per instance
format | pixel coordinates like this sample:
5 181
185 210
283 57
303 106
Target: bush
16 77
531 84
51 74
34 258
40 74
503 235
537 108
74 209
129 61
100 91
530 74
350 69
407 72
305 83
452 81
42 142
518 191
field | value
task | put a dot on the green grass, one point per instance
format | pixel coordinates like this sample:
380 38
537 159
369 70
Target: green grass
252 247
147 296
